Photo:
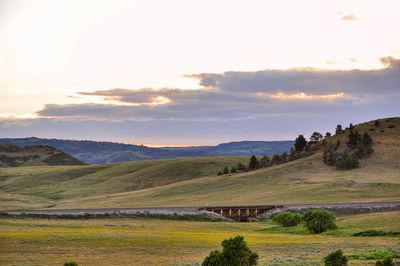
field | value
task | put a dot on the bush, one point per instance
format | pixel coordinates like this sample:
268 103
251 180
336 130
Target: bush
235 252
71 263
336 259
318 221
347 161
385 262
287 219
391 126
377 233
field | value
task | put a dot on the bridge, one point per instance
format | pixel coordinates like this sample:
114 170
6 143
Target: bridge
238 213
241 213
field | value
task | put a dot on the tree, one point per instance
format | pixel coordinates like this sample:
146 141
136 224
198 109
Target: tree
365 146
235 252
233 170
339 129
276 159
318 221
315 137
385 262
254 163
71 263
353 139
351 127
336 259
226 170
241 167
377 124
287 219
264 161
328 134
346 161
300 143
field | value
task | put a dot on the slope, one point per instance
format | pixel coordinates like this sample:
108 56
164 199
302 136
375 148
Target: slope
193 181
27 187
12 156
306 180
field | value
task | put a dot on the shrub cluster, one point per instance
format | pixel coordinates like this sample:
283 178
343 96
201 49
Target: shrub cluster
318 221
358 147
287 219
336 259
234 252
377 233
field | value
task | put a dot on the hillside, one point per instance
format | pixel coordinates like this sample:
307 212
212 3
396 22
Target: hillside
12 156
193 182
95 152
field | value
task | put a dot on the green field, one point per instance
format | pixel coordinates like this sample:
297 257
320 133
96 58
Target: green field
193 181
158 242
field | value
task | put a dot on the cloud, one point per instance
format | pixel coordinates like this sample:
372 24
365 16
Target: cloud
349 17
310 80
243 95
227 106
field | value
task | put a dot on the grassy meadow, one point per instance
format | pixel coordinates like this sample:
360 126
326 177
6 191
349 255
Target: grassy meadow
162 242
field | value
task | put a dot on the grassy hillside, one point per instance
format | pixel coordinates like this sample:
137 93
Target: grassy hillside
191 182
33 187
12 156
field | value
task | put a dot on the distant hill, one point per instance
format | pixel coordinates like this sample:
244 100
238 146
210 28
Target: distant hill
12 156
95 152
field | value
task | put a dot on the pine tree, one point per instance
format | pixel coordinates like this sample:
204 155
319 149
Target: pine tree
339 129
300 143
353 139
254 163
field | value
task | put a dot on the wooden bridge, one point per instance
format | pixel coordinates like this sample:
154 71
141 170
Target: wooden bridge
240 213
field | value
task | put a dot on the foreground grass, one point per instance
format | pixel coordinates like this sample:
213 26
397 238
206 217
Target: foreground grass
156 242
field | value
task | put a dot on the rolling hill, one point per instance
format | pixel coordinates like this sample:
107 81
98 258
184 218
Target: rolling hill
193 181
12 156
95 152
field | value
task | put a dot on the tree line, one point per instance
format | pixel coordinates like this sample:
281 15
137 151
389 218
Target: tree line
358 146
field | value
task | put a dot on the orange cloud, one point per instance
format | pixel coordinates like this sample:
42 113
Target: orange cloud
303 96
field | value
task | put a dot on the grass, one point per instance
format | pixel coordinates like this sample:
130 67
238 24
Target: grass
164 242
193 181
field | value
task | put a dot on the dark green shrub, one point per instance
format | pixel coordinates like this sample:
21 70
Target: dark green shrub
318 221
234 252
385 262
346 161
287 219
71 263
391 126
377 233
336 259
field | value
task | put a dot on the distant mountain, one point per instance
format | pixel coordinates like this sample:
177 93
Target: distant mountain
238 148
12 156
95 152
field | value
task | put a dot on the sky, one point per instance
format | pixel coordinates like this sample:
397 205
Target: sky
187 72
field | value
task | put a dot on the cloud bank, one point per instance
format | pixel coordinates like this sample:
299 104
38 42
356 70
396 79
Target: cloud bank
296 96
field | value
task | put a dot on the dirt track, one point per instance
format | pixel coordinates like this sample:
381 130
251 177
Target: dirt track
339 208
